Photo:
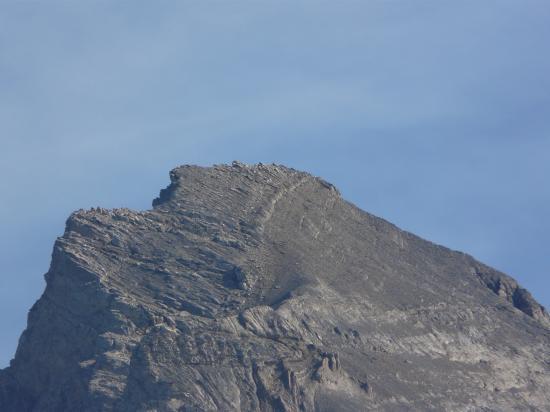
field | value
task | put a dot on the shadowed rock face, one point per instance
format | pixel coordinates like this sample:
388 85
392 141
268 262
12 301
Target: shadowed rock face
259 288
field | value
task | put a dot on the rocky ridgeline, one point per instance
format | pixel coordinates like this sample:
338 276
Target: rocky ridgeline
259 288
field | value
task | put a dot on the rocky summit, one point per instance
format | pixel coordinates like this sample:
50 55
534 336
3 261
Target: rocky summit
259 288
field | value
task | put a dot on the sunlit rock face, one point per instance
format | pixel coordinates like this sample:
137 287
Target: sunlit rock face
258 288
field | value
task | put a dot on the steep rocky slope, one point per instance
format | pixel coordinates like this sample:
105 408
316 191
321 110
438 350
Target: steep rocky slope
259 288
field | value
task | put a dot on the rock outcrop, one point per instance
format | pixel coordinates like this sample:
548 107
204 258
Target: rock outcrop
252 288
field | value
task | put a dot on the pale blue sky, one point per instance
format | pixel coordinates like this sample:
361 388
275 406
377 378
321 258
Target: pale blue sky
432 114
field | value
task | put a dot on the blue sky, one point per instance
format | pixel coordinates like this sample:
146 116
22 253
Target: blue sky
432 114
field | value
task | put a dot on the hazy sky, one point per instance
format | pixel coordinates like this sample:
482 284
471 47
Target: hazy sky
432 114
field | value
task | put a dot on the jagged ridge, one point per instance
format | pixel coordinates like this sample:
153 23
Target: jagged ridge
260 288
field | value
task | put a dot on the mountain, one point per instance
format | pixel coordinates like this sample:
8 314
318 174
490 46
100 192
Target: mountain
259 288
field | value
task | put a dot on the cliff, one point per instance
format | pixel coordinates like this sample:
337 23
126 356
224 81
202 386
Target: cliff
260 288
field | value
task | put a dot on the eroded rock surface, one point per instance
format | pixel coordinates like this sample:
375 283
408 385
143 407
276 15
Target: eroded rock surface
251 288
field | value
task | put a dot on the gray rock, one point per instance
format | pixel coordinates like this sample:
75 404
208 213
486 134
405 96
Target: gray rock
259 288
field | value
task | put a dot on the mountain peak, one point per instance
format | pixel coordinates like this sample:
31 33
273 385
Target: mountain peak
258 287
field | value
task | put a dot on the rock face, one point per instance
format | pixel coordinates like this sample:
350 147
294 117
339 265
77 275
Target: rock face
252 288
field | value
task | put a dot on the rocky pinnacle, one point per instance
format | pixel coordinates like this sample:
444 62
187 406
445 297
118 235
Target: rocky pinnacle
259 288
